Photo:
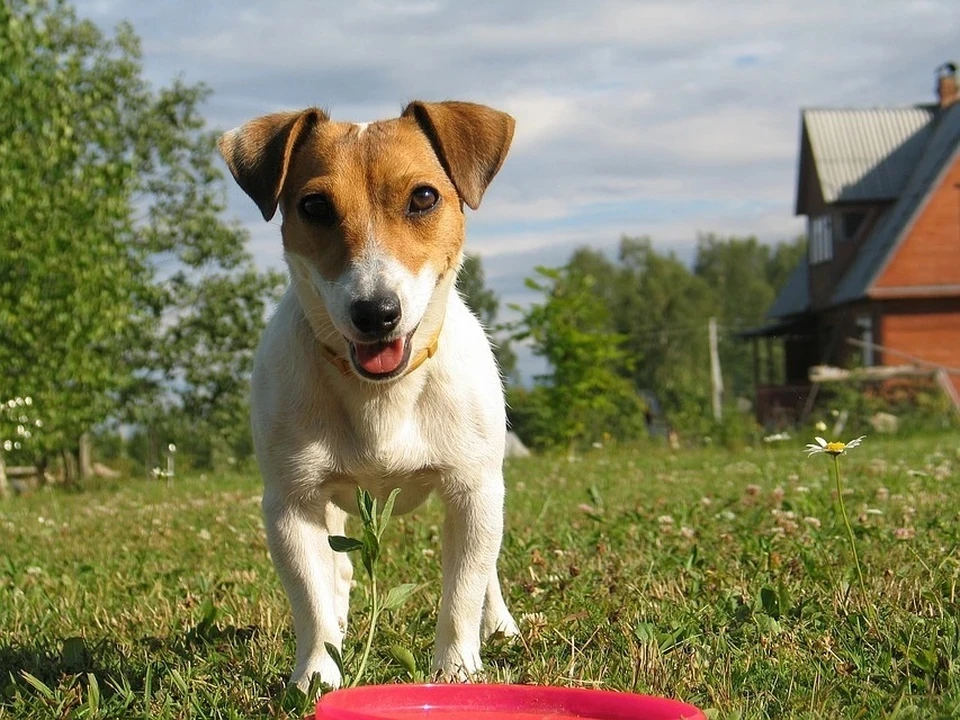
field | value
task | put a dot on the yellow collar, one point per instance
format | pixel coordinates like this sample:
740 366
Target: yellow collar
343 364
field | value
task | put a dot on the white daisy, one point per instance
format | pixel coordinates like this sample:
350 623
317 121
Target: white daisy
821 446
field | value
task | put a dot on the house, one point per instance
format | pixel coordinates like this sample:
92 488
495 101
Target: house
880 285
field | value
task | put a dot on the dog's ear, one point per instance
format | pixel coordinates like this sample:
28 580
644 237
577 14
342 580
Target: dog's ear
258 153
470 140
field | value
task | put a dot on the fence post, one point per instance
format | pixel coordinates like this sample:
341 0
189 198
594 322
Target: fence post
716 379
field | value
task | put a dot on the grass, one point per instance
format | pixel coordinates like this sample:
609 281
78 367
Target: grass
723 579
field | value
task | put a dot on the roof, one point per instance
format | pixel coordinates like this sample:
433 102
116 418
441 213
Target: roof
943 146
794 296
785 329
861 155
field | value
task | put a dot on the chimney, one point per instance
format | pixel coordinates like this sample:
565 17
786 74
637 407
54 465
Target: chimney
947 89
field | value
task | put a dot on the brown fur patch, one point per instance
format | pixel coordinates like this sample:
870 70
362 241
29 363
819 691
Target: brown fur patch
369 177
258 154
471 141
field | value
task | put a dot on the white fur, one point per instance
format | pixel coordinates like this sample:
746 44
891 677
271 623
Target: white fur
361 128
374 272
320 434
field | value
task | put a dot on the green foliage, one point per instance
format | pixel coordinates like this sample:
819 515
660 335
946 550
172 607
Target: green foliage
21 428
211 306
373 525
587 396
471 284
68 276
207 353
658 309
530 415
735 431
663 310
919 404
745 277
736 271
483 302
123 294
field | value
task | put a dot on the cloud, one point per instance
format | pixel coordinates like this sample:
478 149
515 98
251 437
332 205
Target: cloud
660 118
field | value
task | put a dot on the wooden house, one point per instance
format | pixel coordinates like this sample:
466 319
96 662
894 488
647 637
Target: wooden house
880 189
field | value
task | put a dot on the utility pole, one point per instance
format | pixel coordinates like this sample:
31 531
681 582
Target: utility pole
716 379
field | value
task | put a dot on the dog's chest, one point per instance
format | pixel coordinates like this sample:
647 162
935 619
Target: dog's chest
381 439
379 454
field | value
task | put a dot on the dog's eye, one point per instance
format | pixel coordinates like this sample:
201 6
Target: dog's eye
319 209
423 200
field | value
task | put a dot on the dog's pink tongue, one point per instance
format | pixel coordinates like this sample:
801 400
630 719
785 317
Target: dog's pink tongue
381 358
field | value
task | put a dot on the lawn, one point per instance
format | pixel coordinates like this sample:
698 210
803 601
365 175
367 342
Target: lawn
721 578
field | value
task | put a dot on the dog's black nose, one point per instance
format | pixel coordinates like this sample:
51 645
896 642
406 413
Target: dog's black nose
377 316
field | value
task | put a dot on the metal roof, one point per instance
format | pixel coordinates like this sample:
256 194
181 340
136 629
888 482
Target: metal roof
943 145
794 296
863 155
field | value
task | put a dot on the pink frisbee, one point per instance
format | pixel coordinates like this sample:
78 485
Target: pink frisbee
496 702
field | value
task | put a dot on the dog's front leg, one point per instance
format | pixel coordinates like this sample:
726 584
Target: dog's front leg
472 532
311 574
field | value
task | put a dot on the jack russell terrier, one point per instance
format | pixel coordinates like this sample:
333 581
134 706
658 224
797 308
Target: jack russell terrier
373 372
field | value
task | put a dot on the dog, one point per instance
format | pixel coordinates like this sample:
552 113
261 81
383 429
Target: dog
372 372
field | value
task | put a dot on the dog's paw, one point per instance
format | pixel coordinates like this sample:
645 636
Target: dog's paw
323 669
454 664
503 625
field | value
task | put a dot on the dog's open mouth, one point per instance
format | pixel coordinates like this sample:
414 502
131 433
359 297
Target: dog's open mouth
381 360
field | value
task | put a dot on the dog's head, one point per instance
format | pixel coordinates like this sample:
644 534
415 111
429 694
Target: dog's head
373 224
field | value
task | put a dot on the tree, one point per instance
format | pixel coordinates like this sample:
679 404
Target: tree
210 309
209 357
746 276
606 276
471 284
68 280
483 302
658 309
736 269
114 248
663 309
586 395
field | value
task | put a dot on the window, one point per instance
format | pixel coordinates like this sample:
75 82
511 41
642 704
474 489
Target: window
865 331
820 232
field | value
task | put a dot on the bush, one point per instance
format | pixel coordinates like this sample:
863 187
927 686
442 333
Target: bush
588 394
919 404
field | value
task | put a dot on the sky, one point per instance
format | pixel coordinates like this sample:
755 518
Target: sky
665 119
